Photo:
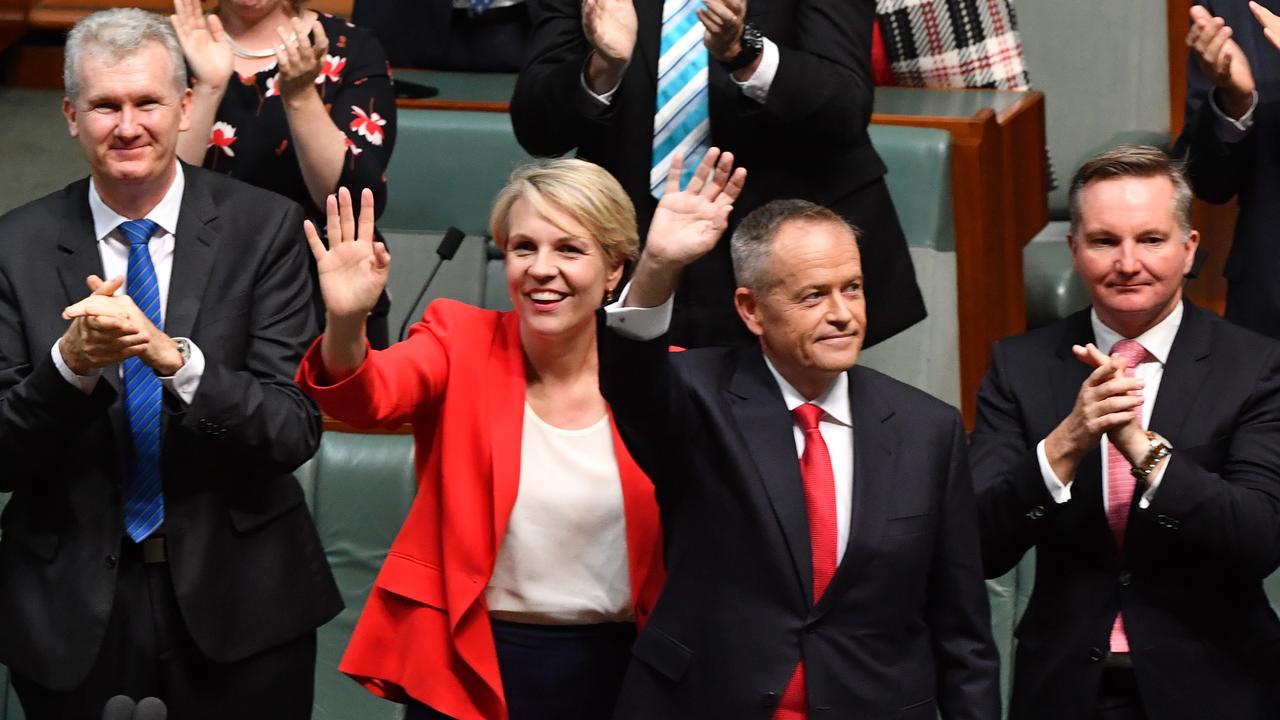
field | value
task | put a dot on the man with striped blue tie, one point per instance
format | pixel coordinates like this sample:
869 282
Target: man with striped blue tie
785 85
156 542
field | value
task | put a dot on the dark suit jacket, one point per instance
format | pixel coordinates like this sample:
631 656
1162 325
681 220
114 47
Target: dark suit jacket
1248 170
246 562
809 140
903 629
1189 579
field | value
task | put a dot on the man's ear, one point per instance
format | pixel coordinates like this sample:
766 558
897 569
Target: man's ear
69 112
749 310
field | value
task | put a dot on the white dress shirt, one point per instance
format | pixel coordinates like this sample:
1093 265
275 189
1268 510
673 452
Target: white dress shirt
114 250
836 425
1158 340
1229 129
755 87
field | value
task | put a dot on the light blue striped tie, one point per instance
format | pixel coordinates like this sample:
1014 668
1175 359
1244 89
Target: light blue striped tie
682 123
143 497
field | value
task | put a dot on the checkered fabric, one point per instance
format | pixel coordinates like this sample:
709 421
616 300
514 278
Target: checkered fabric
953 43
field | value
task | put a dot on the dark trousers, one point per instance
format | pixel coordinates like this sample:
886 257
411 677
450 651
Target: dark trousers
1118 697
147 652
553 672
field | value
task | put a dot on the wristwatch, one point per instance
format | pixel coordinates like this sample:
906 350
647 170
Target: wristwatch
752 45
184 348
1159 449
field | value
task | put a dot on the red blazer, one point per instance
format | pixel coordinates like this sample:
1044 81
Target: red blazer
460 379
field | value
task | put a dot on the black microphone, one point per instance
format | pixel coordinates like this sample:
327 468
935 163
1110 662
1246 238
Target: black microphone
150 708
119 707
449 245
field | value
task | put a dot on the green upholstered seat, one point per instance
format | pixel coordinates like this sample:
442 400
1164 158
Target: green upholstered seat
919 180
359 488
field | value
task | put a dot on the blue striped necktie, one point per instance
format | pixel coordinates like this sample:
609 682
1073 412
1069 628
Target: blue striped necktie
682 123
143 496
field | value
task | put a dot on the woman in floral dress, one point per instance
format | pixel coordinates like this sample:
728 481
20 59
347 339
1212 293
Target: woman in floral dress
290 100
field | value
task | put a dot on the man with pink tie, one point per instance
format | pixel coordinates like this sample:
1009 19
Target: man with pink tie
1136 446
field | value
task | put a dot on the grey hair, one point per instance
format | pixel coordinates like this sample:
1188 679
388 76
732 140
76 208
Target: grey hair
1134 161
752 241
112 35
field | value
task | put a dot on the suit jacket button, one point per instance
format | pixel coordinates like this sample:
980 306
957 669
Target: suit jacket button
1036 512
1096 655
769 699
112 561
1126 578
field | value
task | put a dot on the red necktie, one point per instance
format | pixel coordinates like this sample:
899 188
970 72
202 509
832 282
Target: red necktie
820 502
1121 483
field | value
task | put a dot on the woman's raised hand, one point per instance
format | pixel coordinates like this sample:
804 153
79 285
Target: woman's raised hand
689 222
204 43
353 269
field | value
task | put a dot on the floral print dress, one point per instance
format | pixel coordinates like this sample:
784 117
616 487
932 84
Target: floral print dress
250 139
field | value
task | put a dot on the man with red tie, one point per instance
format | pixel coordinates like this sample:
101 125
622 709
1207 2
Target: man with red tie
1136 446
819 523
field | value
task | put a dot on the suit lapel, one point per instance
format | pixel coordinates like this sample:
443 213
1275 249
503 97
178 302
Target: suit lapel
193 255
649 34
876 447
505 400
766 428
1184 373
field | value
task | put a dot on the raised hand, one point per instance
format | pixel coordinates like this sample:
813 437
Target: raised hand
353 269
610 27
1269 22
688 223
1221 61
204 43
298 59
722 22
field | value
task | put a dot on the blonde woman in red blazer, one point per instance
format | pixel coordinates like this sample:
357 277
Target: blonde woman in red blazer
468 380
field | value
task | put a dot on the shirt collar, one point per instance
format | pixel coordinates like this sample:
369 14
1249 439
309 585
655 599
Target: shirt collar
164 214
834 401
1158 340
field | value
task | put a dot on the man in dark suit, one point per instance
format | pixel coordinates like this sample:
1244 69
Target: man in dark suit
1147 479
819 527
156 543
783 84
1231 139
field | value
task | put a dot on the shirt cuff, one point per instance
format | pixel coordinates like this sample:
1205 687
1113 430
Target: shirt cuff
1229 129
757 86
1153 484
1061 493
184 383
638 323
84 383
607 98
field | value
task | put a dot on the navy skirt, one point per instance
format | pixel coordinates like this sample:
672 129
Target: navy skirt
556 672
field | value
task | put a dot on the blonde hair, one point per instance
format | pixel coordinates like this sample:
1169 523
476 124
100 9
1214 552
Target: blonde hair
583 190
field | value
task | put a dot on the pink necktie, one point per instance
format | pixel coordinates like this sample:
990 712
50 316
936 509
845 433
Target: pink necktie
820 502
1120 484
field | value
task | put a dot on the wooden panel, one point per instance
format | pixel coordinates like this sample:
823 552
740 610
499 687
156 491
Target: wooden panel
999 200
1177 23
13 22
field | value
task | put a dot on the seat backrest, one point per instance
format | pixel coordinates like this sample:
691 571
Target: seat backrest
359 488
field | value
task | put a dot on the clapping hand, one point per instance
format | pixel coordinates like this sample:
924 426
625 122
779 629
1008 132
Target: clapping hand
298 59
1109 403
689 222
722 22
1221 60
353 269
1269 22
610 27
204 43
